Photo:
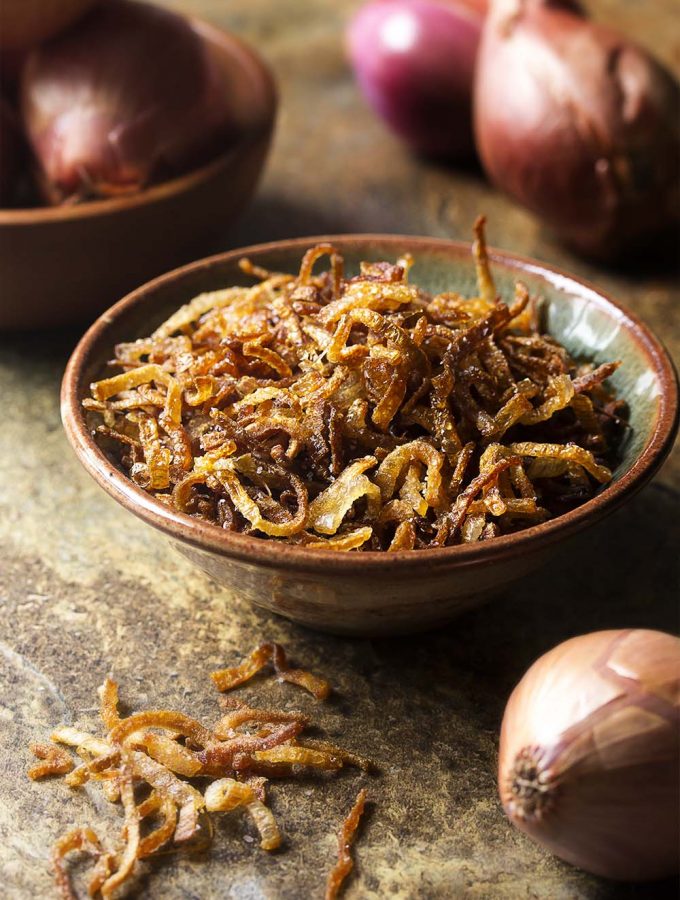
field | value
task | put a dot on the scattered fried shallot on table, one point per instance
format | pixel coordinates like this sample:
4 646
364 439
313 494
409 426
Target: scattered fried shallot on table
151 762
226 679
359 413
346 838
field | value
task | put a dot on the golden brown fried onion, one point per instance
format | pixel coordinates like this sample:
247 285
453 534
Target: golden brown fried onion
344 414
55 761
346 838
226 679
155 763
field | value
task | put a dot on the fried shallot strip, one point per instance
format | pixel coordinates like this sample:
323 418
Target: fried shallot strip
55 761
163 833
346 838
352 759
146 762
241 714
108 695
227 794
227 679
83 839
128 858
587 382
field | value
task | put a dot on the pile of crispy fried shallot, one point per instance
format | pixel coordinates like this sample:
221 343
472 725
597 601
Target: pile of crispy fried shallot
170 772
360 413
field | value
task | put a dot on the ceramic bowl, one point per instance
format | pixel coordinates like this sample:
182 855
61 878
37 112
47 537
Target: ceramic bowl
67 264
369 593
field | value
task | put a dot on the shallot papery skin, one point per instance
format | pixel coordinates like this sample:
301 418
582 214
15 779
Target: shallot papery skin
414 62
589 761
578 124
128 97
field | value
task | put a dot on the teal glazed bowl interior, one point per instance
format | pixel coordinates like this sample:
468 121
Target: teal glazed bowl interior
371 593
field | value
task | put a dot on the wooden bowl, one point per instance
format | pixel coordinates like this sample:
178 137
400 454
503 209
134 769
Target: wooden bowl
66 264
369 593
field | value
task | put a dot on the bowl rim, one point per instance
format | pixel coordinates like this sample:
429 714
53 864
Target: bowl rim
248 58
273 554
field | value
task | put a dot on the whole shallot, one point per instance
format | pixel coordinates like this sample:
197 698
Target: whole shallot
589 761
128 97
578 124
414 61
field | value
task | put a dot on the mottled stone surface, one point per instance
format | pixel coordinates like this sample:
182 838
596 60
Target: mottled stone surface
85 590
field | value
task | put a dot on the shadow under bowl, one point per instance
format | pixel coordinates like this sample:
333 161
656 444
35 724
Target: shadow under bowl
64 264
370 593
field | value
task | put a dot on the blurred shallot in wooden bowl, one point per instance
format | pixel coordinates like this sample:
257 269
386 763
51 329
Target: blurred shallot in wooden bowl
143 133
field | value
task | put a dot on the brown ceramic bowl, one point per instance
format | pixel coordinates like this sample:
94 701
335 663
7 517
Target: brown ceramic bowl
372 593
67 264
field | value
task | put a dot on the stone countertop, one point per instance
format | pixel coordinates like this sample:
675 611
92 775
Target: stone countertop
86 590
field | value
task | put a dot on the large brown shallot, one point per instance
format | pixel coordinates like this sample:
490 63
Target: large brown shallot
578 124
127 97
414 61
589 760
